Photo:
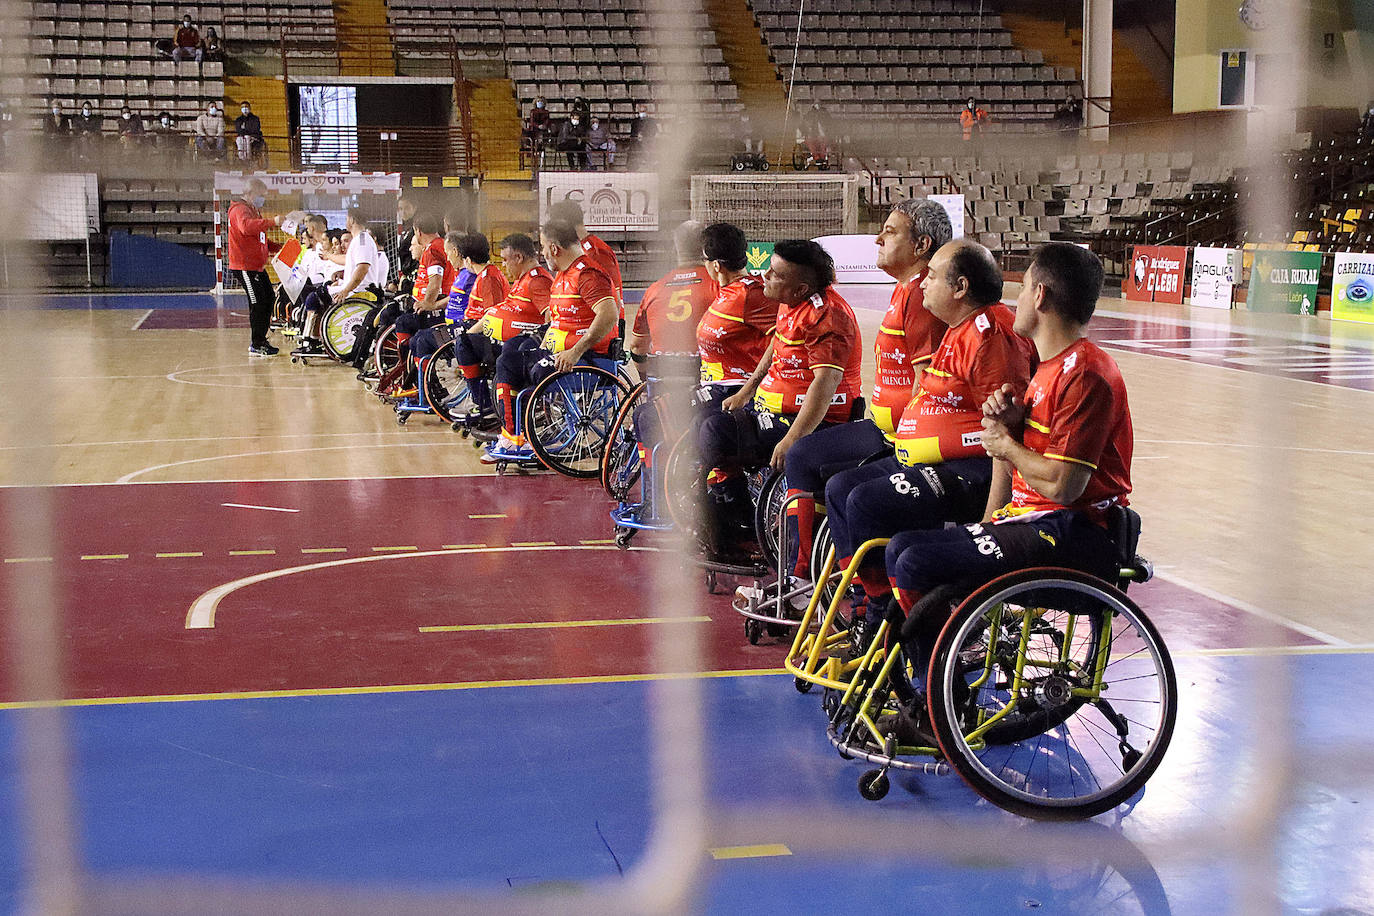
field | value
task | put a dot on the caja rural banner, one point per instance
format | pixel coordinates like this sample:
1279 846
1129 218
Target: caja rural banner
1156 274
1216 271
611 201
1285 281
759 255
1352 288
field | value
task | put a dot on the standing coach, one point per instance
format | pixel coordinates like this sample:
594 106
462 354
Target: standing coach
249 249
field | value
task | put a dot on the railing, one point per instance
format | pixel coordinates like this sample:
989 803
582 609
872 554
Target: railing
384 148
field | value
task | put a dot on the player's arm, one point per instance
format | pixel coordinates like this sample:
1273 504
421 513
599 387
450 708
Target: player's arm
352 283
824 382
1057 479
999 493
742 397
432 290
606 314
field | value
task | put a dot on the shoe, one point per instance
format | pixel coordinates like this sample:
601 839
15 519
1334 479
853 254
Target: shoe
264 349
908 725
309 347
479 420
766 597
506 448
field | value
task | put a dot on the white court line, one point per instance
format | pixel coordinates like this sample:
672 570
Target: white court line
264 508
201 615
250 365
192 483
178 441
1227 328
1265 445
1249 608
139 323
129 477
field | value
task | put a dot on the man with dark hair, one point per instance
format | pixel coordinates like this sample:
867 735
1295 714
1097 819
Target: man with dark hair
248 137
733 334
488 289
906 340
187 44
249 249
809 375
438 276
1062 448
940 472
405 263
364 275
671 309
584 307
593 246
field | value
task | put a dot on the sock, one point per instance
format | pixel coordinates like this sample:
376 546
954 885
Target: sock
802 514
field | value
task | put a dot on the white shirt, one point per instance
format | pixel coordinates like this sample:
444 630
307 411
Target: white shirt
363 250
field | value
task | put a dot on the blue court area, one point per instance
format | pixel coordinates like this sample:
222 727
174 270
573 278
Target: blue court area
129 301
515 789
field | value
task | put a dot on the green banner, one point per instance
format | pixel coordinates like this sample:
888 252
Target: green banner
758 254
1285 281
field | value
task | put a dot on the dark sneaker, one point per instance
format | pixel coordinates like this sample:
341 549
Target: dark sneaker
481 421
263 349
908 724
308 347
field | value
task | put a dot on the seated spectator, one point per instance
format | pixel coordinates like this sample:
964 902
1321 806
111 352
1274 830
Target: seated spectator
131 129
248 134
1367 123
599 139
210 132
642 129
973 119
815 134
582 108
57 131
538 125
86 128
187 45
166 135
214 48
572 140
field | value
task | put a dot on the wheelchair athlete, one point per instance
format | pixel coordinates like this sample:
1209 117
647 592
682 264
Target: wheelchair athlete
1062 455
523 310
808 376
438 274
939 472
584 325
364 274
907 338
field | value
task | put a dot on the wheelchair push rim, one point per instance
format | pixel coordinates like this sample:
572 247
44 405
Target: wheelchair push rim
1051 694
620 464
340 325
446 390
568 418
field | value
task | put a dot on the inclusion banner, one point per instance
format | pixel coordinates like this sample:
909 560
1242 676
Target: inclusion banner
1156 274
1215 273
1352 288
1285 281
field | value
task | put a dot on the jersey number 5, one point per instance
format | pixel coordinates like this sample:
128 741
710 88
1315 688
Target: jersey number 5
679 305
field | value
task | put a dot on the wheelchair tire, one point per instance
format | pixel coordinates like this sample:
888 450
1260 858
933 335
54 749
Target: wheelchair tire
568 417
684 482
339 326
1055 755
385 352
821 542
620 464
446 390
767 507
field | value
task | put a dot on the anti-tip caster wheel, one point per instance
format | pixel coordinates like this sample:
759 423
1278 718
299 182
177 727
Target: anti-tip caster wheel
873 785
752 631
401 419
803 686
623 537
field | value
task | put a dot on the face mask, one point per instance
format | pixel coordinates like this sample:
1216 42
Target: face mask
575 122
127 116
259 200
538 104
643 113
244 109
57 111
86 112
166 122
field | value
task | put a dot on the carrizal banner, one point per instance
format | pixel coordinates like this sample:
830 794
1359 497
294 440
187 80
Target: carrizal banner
611 201
1285 281
1352 288
1156 274
1215 273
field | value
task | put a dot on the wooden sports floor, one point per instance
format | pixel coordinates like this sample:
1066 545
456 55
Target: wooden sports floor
288 666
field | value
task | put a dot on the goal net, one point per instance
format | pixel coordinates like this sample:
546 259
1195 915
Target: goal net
772 207
329 194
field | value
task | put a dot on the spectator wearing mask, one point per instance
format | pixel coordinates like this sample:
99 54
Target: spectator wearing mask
57 131
642 129
166 136
538 124
86 128
248 133
600 140
973 119
131 129
572 140
214 48
210 132
187 45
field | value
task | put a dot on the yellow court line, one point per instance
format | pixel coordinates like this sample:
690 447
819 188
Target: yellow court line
533 543
1275 651
563 624
750 852
28 559
188 553
608 541
104 556
396 549
386 688
252 553
494 515
324 550
464 546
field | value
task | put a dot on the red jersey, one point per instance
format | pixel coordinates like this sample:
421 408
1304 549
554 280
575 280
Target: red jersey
818 333
434 263
523 308
906 338
575 291
601 254
1077 411
944 421
734 331
672 308
249 246
488 290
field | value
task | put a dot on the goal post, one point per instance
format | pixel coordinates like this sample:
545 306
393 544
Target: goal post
771 207
329 193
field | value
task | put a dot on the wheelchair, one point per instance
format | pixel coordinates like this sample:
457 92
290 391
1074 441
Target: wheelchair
566 417
1048 690
338 330
440 389
755 162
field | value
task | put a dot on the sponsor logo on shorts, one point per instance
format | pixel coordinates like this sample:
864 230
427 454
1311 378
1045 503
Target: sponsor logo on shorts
986 543
933 479
903 486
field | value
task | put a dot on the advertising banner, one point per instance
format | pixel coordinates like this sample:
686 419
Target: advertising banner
1215 274
313 182
856 258
611 201
1156 274
1352 288
954 206
1285 281
758 255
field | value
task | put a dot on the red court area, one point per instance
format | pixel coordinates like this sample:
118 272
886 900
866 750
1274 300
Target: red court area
129 562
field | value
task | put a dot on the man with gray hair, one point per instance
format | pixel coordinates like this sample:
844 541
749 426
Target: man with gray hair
249 249
907 338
